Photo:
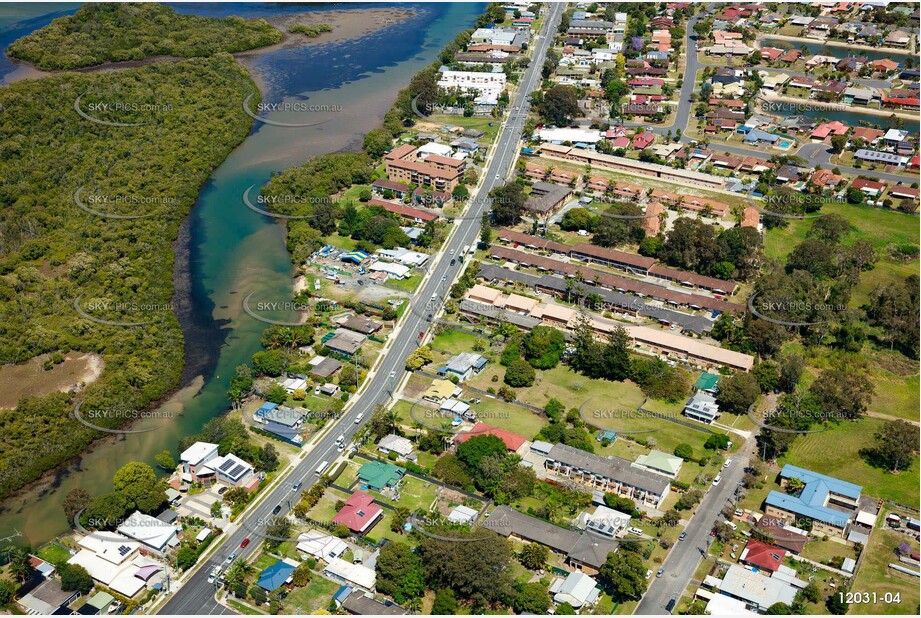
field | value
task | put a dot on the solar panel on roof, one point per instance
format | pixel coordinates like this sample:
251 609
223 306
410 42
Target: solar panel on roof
227 465
123 549
236 471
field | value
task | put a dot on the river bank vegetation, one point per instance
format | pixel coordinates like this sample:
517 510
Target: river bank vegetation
65 271
118 32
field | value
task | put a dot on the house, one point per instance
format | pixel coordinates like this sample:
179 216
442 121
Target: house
457 408
661 463
875 156
352 574
884 65
441 390
578 589
784 536
99 604
751 217
603 521
708 383
48 598
377 475
359 514
830 503
898 38
755 589
702 407
872 188
392 443
904 192
115 561
321 545
194 460
275 576
791 56
463 515
826 179
464 365
366 605
652 222
232 470
613 474
513 441
860 96
345 342
763 556
827 129
361 325
407 213
156 535
324 367
867 134
643 140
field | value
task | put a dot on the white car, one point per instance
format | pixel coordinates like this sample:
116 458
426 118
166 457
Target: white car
635 531
717 480
727 464
358 418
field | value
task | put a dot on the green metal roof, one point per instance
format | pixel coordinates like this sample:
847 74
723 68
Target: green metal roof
707 381
378 474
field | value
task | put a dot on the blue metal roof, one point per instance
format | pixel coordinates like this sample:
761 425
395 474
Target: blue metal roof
842 488
342 594
266 407
795 505
275 576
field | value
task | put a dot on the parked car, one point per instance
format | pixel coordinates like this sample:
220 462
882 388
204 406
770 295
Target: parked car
682 536
635 531
728 463
717 480
660 572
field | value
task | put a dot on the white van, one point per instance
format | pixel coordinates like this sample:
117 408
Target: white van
322 468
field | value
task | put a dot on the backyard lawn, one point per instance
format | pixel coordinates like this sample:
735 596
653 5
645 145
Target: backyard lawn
454 341
53 553
874 575
836 452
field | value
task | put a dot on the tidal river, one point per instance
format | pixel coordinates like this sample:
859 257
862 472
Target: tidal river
228 250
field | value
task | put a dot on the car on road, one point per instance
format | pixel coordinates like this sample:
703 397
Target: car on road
276 510
670 606
682 536
358 418
231 558
727 464
213 574
340 448
660 572
444 278
296 486
717 480
498 176
453 261
244 543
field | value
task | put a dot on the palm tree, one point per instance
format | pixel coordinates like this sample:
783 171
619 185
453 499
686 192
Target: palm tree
20 565
238 572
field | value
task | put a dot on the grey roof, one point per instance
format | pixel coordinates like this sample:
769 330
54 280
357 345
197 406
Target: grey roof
366 606
545 196
499 314
326 367
875 155
361 325
506 521
616 468
693 323
592 550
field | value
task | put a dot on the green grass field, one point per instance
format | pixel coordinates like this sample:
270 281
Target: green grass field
408 285
836 452
454 341
478 122
875 575
55 554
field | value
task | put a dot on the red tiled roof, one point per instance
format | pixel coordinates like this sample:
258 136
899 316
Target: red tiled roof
358 513
512 440
404 211
863 183
763 556
399 152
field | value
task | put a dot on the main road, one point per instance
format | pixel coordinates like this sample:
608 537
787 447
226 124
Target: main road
197 595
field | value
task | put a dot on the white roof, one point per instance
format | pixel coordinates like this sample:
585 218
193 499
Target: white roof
754 587
397 270
570 135
578 589
865 518
111 559
357 574
148 530
434 148
721 605
203 534
895 135
197 452
462 515
398 444
321 545
453 405
110 546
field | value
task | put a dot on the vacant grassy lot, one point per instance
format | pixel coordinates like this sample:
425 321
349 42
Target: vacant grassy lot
454 341
490 126
313 598
875 575
836 452
408 285
896 380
